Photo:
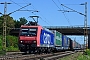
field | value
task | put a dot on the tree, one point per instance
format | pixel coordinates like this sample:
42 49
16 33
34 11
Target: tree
17 24
1 24
21 22
9 23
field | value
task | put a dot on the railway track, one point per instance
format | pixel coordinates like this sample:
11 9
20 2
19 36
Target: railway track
51 56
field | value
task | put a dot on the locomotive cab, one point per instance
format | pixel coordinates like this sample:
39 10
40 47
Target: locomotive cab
28 35
28 38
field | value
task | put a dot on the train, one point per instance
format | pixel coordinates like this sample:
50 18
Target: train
37 39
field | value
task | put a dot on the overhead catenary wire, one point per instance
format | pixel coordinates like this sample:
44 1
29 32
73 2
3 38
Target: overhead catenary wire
68 19
19 9
40 14
19 3
72 4
65 14
73 10
76 11
27 10
31 6
21 6
60 9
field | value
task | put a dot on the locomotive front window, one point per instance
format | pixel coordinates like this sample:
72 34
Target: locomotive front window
24 31
33 31
28 32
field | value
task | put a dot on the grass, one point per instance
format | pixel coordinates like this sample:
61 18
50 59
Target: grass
11 48
2 52
78 56
83 57
88 52
70 57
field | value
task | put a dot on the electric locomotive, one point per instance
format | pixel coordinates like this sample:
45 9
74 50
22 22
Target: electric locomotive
35 39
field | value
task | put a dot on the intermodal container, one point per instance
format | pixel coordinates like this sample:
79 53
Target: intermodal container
64 41
70 44
75 44
68 41
58 38
46 39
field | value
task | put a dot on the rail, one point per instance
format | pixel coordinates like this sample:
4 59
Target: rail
36 56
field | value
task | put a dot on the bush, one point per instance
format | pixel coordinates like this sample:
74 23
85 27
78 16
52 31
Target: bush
88 52
1 43
12 48
11 43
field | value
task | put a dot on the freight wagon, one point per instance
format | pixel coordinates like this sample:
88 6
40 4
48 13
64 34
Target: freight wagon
61 41
70 44
65 42
46 41
57 41
74 45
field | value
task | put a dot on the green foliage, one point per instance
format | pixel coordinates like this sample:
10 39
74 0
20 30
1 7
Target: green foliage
76 56
9 23
1 43
11 43
1 24
83 57
11 48
2 52
88 52
17 24
21 22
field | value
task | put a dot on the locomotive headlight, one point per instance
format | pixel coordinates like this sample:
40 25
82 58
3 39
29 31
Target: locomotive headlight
34 41
21 41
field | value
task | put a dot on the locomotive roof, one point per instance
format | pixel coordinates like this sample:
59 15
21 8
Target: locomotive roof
29 26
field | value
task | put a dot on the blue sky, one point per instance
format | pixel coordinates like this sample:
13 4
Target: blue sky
48 12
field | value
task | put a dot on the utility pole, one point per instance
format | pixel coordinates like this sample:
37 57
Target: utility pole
85 30
4 25
85 22
4 22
